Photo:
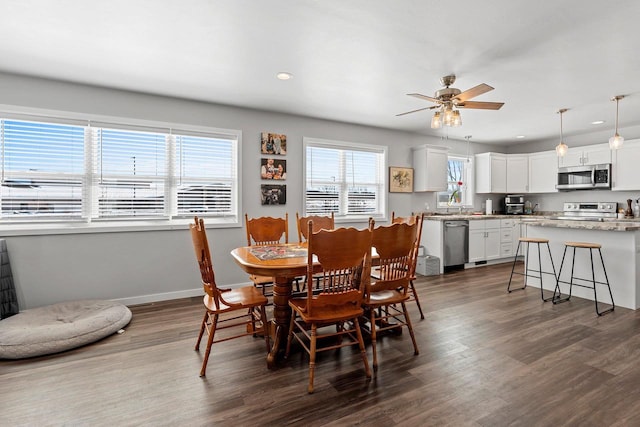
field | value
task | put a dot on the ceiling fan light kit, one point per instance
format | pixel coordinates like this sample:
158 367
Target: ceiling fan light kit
561 148
436 120
450 99
616 140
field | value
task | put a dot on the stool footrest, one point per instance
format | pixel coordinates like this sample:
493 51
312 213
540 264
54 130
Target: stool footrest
581 285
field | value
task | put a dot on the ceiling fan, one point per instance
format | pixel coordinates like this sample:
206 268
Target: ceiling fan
449 99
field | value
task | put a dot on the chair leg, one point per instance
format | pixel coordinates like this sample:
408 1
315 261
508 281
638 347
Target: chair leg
363 352
415 296
212 332
595 295
513 267
202 328
252 318
559 299
291 332
312 356
339 329
410 327
265 326
553 267
372 318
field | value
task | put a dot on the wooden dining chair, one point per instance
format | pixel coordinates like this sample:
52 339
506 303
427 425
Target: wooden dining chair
264 231
218 301
395 246
319 223
411 220
344 258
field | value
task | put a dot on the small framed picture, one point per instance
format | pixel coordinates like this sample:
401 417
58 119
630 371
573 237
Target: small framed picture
400 180
273 143
273 194
271 168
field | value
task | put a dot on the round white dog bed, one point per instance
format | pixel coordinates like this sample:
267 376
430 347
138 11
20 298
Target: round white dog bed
60 327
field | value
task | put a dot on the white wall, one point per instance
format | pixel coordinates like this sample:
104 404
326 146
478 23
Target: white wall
154 265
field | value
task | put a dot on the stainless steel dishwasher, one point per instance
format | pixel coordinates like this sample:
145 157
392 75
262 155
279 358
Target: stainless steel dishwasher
456 243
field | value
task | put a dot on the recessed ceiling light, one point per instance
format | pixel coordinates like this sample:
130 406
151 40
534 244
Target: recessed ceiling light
520 136
283 75
597 122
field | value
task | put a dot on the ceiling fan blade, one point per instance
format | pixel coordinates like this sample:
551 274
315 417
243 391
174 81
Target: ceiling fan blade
425 97
480 105
415 111
473 92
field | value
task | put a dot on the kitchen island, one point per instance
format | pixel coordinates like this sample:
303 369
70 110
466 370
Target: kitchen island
620 242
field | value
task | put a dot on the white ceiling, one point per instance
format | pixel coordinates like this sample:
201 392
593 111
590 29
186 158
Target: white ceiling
352 60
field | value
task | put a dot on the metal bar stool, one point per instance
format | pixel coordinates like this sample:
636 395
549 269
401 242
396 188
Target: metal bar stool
528 271
591 246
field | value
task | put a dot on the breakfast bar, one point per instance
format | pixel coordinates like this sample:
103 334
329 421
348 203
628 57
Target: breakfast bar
620 242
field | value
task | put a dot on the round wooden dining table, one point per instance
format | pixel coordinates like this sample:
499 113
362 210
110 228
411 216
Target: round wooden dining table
283 262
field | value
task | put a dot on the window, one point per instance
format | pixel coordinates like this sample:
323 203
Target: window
460 183
345 178
95 173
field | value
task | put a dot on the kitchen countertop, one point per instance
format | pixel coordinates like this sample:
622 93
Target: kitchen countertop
547 220
606 225
465 216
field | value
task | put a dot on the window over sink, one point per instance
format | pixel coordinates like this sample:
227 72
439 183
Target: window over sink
459 183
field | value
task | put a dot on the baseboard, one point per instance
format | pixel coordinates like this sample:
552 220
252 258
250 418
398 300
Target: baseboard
490 262
187 293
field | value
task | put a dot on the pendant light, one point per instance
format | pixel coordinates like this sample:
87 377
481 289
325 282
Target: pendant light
468 137
561 148
616 140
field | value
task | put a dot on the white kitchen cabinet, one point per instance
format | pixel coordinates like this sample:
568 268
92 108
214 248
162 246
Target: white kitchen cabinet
491 173
517 180
430 168
543 172
509 235
484 240
432 240
588 155
626 161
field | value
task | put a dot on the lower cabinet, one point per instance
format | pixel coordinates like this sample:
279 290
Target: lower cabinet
484 240
509 235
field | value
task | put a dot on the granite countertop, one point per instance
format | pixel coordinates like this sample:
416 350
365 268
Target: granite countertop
465 216
606 225
546 219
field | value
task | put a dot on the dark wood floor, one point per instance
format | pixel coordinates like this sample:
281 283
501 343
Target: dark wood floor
487 358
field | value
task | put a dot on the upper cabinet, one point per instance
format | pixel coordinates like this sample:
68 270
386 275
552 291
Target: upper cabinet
517 173
430 168
589 155
543 172
625 167
491 173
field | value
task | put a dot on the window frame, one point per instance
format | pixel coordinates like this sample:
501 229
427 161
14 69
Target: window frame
92 223
381 196
467 183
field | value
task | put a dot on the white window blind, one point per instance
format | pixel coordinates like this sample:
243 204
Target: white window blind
42 169
348 181
110 171
205 175
130 173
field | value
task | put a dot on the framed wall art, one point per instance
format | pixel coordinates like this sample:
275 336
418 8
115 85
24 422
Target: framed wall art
271 168
273 194
273 143
400 180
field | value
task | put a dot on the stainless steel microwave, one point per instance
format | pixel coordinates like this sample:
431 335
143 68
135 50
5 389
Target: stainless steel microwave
586 177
